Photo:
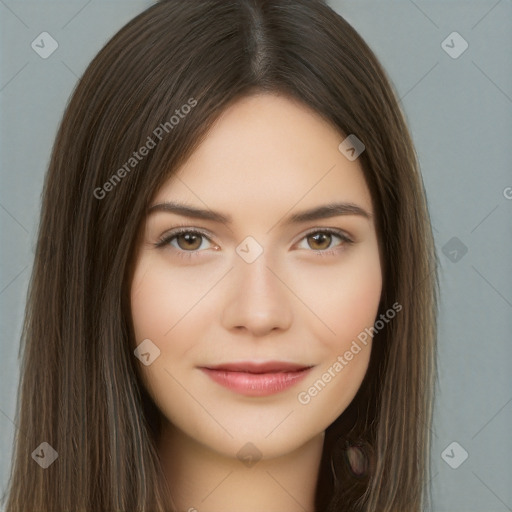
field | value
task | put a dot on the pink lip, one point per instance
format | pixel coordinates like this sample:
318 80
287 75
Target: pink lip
257 379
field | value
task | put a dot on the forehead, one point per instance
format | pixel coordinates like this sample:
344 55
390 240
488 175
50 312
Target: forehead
265 154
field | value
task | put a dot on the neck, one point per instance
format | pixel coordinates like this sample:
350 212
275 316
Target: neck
203 480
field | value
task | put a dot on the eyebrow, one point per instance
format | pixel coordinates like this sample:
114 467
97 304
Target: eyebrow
319 212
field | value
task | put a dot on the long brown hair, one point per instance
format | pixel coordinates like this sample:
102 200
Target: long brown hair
79 390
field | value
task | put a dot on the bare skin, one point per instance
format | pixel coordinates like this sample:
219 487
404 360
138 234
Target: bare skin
303 300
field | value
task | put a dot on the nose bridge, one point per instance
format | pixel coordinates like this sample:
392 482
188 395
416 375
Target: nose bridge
257 299
257 277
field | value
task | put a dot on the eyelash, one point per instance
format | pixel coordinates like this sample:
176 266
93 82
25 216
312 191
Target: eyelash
166 239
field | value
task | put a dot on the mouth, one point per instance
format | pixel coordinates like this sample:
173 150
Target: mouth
257 379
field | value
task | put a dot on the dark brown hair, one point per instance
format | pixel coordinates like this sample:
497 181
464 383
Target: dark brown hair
79 389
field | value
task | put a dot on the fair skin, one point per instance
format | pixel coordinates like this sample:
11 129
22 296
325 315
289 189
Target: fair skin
302 301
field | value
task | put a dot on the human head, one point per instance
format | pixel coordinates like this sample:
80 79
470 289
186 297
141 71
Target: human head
257 288
79 307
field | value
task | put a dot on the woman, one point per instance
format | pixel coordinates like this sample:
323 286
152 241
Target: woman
234 295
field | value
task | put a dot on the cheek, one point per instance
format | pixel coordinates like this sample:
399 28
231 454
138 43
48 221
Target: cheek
173 322
162 299
356 306
350 311
344 297
153 311
172 308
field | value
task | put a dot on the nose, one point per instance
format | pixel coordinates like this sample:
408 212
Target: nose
257 300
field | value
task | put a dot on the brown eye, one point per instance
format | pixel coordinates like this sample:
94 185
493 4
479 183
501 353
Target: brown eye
325 241
189 241
320 241
185 241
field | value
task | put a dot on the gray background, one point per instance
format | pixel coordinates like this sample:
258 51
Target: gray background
460 113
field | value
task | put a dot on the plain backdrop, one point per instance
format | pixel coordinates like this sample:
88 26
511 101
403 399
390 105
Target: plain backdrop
459 109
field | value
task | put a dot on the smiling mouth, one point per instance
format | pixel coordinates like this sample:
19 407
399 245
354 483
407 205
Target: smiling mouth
257 379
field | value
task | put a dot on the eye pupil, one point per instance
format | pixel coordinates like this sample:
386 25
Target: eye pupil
319 238
189 238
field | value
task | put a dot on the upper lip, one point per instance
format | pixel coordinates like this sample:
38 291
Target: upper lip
256 367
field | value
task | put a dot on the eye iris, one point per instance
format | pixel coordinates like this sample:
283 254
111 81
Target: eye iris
320 238
189 238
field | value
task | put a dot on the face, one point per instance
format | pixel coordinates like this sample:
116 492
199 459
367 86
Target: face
251 317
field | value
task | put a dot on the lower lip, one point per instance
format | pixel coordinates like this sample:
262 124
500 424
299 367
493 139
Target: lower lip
256 384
